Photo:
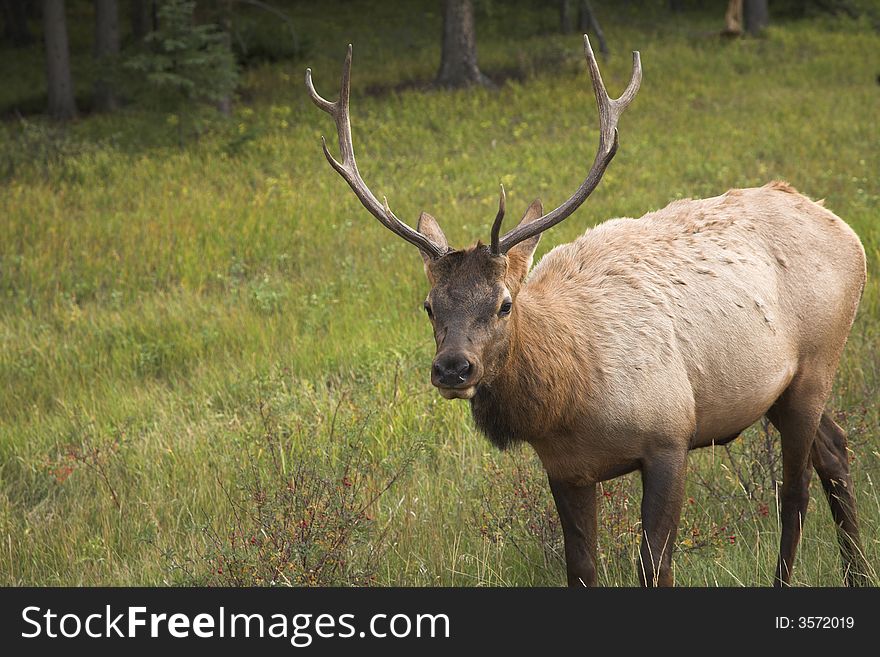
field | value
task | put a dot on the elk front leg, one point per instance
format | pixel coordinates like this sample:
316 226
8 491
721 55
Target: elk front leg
576 506
663 478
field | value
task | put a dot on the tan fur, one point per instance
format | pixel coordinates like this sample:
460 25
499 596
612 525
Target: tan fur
645 338
684 325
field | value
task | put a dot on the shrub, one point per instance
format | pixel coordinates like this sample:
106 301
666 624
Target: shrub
300 517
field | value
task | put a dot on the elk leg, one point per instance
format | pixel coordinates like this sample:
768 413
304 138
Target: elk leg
796 415
663 479
831 461
576 506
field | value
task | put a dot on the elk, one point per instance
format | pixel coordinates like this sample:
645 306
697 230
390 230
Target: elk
646 338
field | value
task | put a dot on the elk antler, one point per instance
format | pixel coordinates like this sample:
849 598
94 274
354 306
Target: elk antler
496 225
610 110
348 168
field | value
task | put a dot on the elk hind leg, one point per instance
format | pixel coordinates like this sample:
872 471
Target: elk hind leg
831 461
796 415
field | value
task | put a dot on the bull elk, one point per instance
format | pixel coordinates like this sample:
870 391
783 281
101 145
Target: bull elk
644 339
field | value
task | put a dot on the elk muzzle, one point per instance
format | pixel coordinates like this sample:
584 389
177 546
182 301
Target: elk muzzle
455 374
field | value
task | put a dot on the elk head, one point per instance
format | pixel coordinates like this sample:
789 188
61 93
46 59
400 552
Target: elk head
472 301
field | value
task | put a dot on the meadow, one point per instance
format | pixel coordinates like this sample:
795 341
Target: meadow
214 364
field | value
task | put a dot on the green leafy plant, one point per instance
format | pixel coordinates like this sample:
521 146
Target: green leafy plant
185 64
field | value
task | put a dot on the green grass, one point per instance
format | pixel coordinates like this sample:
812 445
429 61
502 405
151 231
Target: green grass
162 306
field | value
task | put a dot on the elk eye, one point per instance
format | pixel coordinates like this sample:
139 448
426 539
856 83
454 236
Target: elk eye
428 310
505 308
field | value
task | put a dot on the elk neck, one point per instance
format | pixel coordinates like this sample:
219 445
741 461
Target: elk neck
526 397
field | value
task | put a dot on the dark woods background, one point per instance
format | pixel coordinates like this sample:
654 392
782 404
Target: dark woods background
189 52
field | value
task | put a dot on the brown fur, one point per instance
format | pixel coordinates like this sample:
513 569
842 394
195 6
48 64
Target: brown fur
645 338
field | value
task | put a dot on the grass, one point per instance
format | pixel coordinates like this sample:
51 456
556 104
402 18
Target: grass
185 331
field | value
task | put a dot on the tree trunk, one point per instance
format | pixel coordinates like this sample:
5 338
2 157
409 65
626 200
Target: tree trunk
62 105
756 16
588 23
106 52
224 105
458 61
15 22
733 18
142 19
566 19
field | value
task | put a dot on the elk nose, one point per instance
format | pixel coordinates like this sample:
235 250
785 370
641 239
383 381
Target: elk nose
452 370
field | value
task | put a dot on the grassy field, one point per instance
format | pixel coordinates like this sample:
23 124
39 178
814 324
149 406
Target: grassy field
214 364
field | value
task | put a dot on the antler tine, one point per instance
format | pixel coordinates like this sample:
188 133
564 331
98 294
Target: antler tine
610 110
496 225
348 167
635 83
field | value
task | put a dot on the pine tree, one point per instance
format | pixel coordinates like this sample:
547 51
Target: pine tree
186 64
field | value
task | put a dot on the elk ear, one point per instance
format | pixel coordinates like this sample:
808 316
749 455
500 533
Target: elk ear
429 227
520 256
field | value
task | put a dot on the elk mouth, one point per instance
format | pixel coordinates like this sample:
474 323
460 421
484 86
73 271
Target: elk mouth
457 392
